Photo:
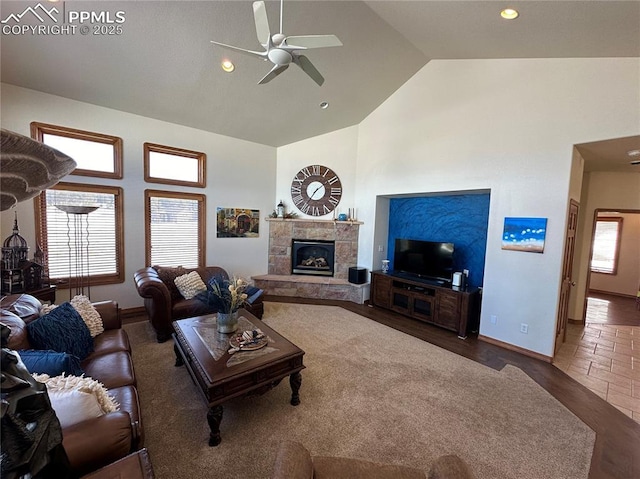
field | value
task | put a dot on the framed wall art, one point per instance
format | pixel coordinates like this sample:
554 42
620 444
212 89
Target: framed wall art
524 234
237 223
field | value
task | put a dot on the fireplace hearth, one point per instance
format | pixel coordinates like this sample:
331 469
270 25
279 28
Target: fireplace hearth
281 282
312 257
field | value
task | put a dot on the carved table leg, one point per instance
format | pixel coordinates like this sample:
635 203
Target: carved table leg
214 418
295 380
179 361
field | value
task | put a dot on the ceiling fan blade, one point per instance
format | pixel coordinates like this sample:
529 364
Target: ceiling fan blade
262 22
313 41
262 55
275 71
306 65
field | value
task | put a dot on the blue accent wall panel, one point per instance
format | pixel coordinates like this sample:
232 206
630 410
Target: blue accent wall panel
458 219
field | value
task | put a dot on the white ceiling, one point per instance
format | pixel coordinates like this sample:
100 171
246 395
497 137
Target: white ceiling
163 66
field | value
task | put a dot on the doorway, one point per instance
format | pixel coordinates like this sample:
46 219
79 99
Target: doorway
611 291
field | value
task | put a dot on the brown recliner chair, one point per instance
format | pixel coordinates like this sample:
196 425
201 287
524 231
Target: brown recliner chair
165 304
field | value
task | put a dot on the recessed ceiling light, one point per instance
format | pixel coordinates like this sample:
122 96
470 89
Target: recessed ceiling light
324 105
227 66
633 153
509 13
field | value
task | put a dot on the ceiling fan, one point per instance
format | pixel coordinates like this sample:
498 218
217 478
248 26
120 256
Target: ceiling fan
282 50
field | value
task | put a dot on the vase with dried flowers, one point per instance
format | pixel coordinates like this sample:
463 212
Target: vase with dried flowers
226 296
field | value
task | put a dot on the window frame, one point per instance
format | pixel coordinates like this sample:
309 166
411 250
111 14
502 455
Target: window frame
38 130
202 227
201 158
616 256
41 230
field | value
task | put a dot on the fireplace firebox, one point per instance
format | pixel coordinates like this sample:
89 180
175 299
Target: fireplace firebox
312 257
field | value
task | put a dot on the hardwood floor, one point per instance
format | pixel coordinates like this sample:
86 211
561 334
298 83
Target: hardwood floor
617 449
603 308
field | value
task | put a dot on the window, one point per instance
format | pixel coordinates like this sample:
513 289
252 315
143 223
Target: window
174 166
96 154
606 245
84 245
175 229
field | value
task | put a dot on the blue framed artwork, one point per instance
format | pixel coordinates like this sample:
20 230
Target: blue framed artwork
524 234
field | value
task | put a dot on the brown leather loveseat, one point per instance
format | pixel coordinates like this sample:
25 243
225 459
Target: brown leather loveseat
165 304
99 441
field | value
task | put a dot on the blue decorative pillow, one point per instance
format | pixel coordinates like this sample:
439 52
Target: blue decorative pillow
52 363
61 330
253 293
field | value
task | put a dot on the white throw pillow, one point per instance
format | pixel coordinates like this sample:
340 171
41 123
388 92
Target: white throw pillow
89 314
59 385
190 285
73 406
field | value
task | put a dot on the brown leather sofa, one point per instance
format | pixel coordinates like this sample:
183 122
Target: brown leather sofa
96 442
294 461
165 304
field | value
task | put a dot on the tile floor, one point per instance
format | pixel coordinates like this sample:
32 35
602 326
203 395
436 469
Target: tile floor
605 357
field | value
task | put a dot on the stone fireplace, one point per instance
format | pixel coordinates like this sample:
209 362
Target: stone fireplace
312 257
312 234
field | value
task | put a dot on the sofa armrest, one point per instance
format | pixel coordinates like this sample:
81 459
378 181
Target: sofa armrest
110 314
157 300
96 442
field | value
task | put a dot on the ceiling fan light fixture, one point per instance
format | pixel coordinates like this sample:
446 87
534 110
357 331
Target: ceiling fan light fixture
227 66
509 14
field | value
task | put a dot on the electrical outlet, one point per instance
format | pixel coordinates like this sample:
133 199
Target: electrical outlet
380 248
524 328
494 319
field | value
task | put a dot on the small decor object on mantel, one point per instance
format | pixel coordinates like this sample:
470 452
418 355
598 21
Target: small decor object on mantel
281 209
227 297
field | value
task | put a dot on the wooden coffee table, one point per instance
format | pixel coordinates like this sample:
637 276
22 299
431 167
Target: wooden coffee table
221 376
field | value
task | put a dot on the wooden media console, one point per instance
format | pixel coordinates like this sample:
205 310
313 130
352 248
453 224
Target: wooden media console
456 309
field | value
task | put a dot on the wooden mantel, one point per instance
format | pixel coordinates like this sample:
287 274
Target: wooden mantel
316 220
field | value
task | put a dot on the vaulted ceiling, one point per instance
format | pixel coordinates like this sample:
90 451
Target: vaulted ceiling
161 64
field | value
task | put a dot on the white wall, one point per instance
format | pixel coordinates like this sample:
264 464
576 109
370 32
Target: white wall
335 150
239 174
508 126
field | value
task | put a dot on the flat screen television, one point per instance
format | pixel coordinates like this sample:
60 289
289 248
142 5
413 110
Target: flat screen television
424 259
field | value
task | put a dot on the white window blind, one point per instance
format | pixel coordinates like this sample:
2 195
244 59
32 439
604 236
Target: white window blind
174 226
91 236
606 241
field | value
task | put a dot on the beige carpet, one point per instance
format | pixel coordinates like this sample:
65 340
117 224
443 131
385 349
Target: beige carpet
368 391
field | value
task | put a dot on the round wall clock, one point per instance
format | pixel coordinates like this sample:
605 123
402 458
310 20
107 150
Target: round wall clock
316 190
